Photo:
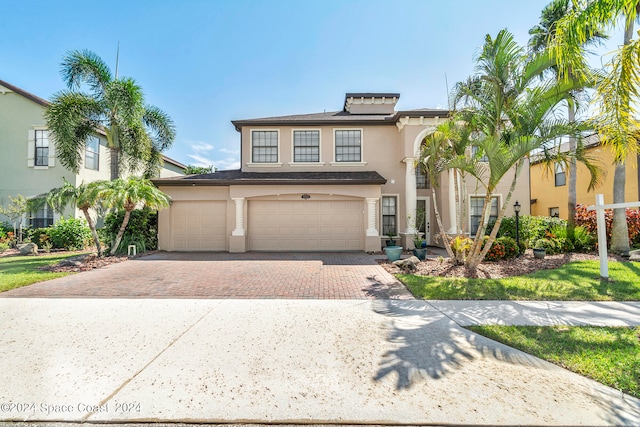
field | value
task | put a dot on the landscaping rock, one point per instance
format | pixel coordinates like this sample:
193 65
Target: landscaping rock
407 265
28 249
634 255
70 262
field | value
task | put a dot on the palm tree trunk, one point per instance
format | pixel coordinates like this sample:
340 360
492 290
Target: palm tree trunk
94 233
619 229
443 234
125 221
571 201
115 164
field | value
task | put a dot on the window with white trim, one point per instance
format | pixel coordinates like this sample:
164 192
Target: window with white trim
41 218
92 153
560 175
422 180
348 145
264 146
389 215
41 152
306 146
476 206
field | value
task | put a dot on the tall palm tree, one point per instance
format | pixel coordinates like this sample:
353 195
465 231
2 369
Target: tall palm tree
85 197
617 93
129 194
136 133
541 36
512 113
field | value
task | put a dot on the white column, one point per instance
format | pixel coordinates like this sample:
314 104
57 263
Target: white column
371 217
410 194
452 204
239 230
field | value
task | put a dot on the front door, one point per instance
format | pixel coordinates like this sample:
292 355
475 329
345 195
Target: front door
424 205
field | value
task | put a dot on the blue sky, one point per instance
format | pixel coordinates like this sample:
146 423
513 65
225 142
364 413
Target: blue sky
209 62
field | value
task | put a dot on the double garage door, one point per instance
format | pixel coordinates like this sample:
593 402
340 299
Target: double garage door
273 225
305 225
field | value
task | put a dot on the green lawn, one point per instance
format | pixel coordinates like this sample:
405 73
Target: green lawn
17 271
607 355
575 281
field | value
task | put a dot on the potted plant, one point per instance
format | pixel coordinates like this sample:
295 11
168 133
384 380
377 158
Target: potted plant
391 241
419 251
539 249
393 252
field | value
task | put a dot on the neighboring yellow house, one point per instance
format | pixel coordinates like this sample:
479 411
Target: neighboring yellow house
550 189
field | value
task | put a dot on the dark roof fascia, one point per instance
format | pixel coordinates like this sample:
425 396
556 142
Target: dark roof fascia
423 113
371 95
389 120
24 93
227 182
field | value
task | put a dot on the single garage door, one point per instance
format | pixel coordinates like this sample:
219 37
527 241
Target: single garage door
199 225
306 225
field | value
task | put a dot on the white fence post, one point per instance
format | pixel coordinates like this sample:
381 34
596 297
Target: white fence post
602 237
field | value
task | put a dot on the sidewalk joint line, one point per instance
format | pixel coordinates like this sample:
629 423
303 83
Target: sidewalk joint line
124 384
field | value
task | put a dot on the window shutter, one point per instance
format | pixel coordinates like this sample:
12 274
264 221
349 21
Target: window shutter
31 138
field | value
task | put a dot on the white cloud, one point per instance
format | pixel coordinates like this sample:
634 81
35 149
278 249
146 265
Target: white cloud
227 151
201 160
200 146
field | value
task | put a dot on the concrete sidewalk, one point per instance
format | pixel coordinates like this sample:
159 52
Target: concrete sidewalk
540 313
278 361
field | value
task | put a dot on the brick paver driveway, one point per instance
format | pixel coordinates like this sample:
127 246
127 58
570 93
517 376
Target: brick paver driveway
350 275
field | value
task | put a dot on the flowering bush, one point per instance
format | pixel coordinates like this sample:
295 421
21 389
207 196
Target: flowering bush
510 247
496 252
587 219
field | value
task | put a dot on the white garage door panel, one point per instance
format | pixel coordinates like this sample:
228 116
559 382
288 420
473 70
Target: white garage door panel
306 225
199 226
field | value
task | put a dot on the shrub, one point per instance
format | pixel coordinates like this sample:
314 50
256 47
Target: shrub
587 219
3 246
496 252
142 229
510 246
531 228
550 244
583 240
460 247
37 235
71 234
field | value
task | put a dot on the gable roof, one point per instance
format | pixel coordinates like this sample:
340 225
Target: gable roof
24 93
237 177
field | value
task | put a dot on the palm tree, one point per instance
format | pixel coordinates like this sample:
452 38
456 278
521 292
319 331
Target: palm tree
541 36
129 194
136 133
511 113
616 93
85 197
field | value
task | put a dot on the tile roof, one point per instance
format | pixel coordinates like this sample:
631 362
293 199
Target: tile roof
238 177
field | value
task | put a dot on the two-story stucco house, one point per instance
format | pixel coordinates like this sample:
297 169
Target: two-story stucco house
331 181
28 164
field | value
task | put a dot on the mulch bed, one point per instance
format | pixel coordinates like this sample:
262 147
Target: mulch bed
443 267
87 263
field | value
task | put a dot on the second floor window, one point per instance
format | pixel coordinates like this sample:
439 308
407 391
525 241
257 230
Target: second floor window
560 176
422 180
92 153
264 146
41 157
306 146
348 146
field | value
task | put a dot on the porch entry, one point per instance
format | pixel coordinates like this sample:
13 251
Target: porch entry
424 203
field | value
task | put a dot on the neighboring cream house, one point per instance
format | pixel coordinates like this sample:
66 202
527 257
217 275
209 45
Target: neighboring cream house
330 181
28 164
